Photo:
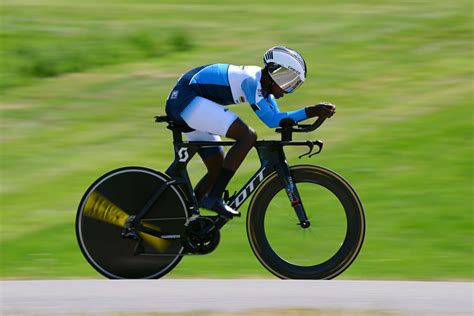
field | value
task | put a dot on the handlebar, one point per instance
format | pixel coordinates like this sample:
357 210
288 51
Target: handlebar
288 127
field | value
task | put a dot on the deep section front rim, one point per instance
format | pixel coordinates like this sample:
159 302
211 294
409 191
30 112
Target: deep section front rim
273 257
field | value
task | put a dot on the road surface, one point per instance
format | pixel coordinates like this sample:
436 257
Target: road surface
168 295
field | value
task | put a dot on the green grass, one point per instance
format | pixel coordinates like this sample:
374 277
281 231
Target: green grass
81 82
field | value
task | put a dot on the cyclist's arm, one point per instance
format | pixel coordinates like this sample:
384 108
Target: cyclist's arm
267 111
267 108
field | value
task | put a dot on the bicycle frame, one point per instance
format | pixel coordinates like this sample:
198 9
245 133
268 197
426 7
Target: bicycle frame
272 159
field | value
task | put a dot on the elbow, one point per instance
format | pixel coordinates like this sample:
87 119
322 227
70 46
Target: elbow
271 123
270 120
278 121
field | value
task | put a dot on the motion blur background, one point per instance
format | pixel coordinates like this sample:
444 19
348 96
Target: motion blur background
82 80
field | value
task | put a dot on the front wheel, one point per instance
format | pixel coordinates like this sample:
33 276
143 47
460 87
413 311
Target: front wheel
328 246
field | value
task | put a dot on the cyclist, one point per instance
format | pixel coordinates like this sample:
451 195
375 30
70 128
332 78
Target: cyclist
198 101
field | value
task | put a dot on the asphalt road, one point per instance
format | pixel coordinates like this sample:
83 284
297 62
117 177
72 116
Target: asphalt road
167 295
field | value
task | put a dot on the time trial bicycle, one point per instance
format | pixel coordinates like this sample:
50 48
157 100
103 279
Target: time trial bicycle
303 221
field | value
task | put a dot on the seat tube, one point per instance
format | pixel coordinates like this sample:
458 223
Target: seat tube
283 171
183 153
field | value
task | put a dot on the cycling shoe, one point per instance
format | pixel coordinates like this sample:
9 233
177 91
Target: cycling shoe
217 205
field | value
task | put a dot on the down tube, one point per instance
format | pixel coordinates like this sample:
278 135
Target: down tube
249 187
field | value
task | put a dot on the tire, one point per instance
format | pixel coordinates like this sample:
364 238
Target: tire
328 246
101 216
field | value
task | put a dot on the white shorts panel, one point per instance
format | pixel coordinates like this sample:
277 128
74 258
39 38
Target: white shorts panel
207 116
198 136
204 152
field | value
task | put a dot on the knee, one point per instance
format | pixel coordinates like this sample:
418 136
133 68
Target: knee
249 137
243 134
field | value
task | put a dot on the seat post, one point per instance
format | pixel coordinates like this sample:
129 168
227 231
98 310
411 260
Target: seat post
176 129
177 135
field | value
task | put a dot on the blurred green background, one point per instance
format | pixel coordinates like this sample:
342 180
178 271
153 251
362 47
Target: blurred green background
82 80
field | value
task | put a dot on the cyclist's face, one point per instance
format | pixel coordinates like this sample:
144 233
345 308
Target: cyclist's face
277 91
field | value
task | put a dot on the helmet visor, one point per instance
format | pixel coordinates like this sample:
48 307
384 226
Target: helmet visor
288 80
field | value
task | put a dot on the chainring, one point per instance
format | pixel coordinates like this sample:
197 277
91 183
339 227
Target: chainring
201 235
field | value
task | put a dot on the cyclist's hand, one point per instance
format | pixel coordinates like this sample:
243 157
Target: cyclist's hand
323 110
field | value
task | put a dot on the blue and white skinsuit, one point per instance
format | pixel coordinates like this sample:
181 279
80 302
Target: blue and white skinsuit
199 98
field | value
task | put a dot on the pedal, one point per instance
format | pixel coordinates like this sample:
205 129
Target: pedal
229 215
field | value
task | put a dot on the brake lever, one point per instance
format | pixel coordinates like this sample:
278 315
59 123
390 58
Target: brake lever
311 146
320 146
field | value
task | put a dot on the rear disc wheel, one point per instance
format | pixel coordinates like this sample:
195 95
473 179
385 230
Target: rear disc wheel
103 211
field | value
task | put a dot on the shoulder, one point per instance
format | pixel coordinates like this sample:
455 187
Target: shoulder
209 74
253 71
250 83
244 72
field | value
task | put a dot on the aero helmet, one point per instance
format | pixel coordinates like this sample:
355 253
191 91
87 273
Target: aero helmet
286 67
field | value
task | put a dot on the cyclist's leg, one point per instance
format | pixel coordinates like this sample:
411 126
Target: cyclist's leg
213 164
207 116
213 158
245 137
179 99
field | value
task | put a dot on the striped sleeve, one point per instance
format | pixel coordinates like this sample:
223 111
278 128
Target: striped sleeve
267 111
267 108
